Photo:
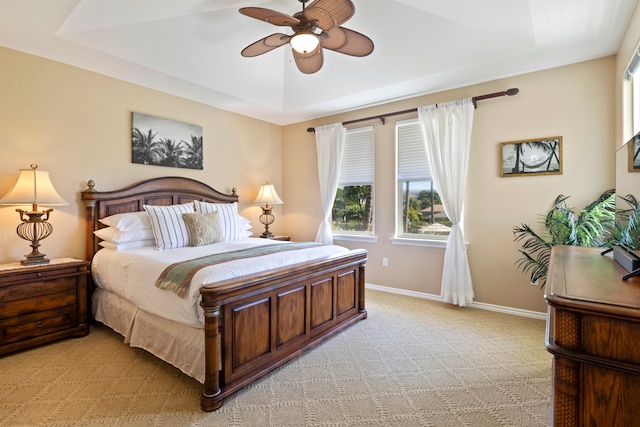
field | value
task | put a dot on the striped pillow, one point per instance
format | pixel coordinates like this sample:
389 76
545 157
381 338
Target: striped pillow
228 215
169 228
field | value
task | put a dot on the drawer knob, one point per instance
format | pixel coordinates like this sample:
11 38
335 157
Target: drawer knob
39 324
39 274
38 288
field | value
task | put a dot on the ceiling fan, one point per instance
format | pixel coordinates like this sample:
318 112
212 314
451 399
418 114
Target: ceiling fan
316 27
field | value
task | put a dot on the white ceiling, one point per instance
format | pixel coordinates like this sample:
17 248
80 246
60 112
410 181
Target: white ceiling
191 48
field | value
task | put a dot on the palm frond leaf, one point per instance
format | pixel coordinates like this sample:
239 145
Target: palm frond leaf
595 226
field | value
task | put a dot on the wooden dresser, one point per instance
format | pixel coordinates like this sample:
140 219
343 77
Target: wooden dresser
39 304
593 331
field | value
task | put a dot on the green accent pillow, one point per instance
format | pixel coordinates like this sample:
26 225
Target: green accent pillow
203 228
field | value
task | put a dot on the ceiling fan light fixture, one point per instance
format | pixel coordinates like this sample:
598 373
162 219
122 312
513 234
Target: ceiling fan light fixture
304 42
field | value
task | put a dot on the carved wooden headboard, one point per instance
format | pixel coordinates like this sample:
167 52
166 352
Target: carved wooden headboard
156 191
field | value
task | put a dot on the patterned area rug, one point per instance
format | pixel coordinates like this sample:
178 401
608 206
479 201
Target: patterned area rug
413 362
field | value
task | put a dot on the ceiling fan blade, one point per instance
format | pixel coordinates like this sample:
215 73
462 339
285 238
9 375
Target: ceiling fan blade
347 41
265 45
330 13
270 16
324 18
333 39
309 63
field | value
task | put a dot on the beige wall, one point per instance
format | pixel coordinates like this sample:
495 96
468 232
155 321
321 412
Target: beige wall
77 125
576 102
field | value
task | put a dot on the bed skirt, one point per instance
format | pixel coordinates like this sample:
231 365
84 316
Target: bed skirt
181 346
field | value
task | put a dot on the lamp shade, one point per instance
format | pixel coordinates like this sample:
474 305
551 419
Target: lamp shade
33 187
267 196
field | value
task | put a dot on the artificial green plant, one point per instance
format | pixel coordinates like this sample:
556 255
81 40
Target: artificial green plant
627 232
593 227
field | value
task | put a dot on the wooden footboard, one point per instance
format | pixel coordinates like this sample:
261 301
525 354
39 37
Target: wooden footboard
266 320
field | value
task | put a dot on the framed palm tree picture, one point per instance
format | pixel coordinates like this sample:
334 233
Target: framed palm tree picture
164 142
542 156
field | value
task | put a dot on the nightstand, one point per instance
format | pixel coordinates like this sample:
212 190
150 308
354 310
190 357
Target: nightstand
285 238
43 303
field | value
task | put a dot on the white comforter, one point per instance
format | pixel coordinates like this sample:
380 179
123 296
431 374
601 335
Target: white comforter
132 273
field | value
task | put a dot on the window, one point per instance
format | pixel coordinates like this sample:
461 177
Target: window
635 103
353 207
632 93
420 212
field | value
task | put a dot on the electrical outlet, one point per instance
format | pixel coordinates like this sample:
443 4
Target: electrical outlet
385 262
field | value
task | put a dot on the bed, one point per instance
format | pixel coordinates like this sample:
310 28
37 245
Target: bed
248 325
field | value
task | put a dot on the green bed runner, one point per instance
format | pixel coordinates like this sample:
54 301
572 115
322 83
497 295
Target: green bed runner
177 276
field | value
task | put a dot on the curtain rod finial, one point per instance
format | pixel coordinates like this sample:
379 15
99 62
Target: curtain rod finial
512 91
311 130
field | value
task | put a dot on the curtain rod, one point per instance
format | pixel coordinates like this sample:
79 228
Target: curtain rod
382 117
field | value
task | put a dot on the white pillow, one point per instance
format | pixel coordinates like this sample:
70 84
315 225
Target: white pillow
127 245
169 228
228 217
127 221
244 225
113 235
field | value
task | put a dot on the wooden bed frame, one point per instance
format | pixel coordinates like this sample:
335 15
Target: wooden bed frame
255 323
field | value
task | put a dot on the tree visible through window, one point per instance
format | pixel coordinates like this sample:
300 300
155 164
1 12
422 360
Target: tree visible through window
353 208
422 209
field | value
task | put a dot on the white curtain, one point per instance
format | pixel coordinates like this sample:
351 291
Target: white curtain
446 129
330 147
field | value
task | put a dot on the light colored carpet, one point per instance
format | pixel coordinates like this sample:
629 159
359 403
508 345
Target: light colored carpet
412 363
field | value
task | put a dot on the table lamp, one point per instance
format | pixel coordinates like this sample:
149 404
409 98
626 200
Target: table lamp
267 196
33 187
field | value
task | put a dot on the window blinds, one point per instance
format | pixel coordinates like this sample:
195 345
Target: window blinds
412 155
357 158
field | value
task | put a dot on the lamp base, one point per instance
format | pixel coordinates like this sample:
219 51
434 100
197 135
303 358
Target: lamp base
266 219
35 259
34 228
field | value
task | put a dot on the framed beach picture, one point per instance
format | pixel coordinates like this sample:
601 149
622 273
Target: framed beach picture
164 142
542 156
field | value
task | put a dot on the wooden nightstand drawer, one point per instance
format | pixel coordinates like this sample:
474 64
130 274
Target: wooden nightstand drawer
37 324
31 305
35 289
39 273
42 303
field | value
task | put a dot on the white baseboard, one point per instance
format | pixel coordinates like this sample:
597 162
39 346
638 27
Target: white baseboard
479 305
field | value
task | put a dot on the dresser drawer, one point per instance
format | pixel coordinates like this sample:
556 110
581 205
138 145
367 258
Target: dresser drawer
36 289
37 324
39 303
